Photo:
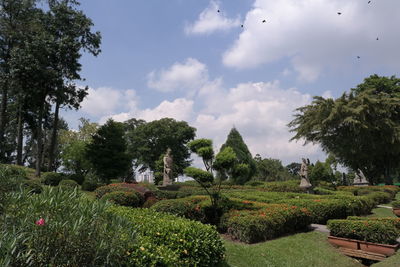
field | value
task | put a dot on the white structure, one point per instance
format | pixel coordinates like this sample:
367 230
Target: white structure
146 177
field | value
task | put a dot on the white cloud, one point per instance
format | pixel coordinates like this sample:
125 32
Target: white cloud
188 76
179 109
106 100
261 112
210 20
313 37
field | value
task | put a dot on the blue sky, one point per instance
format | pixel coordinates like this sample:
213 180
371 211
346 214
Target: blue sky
183 59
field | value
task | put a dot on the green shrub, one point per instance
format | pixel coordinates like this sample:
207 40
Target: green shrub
60 228
52 178
394 221
32 186
166 240
264 224
286 186
362 190
190 207
254 183
76 177
372 230
13 171
396 204
125 187
130 199
323 191
115 181
89 185
10 178
69 184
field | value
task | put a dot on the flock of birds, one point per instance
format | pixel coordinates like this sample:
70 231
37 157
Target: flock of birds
339 13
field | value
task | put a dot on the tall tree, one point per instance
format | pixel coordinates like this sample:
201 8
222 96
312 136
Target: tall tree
235 141
269 169
361 128
107 151
148 142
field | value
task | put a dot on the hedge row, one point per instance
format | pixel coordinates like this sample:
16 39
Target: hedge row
392 220
165 240
363 190
259 225
376 231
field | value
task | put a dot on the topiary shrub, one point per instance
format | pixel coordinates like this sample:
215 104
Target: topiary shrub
144 192
69 184
52 178
254 183
264 224
61 228
130 199
394 221
76 177
33 186
167 240
372 230
286 186
89 185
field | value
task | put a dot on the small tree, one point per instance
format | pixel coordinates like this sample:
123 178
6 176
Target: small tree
223 162
107 151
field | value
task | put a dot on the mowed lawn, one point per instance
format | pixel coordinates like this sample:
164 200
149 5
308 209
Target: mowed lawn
304 249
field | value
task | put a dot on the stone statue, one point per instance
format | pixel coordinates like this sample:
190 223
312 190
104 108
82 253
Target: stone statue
304 183
360 179
167 177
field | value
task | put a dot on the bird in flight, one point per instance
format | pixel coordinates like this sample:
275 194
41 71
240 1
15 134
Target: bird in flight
241 25
358 57
369 2
339 13
264 21
377 38
218 11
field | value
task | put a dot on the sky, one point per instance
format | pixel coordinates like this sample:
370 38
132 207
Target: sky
217 70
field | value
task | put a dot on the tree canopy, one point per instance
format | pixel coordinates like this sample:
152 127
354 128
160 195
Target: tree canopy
149 141
243 156
361 128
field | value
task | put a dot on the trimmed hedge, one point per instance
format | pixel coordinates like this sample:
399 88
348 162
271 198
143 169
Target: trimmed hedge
286 186
392 190
125 187
69 183
166 240
375 231
394 221
396 204
52 178
264 224
130 199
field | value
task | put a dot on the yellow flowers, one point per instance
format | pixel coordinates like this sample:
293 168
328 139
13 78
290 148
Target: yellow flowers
185 251
142 248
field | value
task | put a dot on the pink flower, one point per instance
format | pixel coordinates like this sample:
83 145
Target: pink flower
40 222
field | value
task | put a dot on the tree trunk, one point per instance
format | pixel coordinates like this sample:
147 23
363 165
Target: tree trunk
20 135
53 141
39 141
3 118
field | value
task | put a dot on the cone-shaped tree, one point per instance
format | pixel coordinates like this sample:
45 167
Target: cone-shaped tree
243 155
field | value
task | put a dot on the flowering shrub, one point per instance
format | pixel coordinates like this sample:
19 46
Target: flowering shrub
394 221
166 240
60 228
259 225
376 231
130 199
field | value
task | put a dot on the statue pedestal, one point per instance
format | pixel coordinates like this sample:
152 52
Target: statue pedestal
304 184
166 181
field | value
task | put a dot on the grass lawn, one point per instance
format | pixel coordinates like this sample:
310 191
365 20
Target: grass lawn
382 212
304 249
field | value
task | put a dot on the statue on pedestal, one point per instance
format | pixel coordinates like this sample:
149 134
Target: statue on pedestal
360 179
304 182
168 162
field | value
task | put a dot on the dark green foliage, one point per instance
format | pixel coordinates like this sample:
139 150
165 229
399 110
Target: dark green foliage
271 170
107 151
363 190
148 143
166 240
32 186
243 156
358 127
199 175
75 231
267 223
130 199
321 171
90 186
381 232
394 221
294 168
52 178
287 186
79 178
68 184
